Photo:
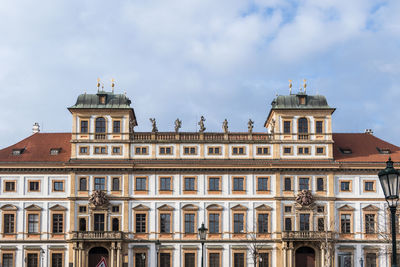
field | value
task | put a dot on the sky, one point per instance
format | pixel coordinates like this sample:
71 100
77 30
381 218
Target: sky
186 59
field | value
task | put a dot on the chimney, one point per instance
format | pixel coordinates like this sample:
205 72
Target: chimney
35 128
369 131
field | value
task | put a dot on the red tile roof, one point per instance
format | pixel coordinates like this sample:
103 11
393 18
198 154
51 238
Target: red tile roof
37 148
364 148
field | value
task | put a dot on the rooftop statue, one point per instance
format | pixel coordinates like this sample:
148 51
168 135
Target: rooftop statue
250 126
178 124
225 126
201 124
154 125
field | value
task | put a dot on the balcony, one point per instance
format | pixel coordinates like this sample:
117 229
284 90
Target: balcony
307 235
98 236
303 136
100 136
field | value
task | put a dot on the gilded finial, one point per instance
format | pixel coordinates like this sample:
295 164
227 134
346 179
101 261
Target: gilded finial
112 84
290 86
304 85
98 84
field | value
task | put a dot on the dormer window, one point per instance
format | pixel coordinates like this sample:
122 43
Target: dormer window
18 151
302 99
55 151
383 150
102 99
346 150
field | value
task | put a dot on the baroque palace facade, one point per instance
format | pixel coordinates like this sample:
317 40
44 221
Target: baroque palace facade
295 195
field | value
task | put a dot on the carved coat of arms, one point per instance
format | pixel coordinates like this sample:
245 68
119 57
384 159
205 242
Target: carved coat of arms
98 198
304 198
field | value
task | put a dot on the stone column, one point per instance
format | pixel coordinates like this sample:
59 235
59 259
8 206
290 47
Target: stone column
322 256
112 254
284 249
118 255
75 260
290 261
81 255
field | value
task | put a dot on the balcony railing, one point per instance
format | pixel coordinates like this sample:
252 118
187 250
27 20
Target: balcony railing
100 136
98 235
307 235
303 136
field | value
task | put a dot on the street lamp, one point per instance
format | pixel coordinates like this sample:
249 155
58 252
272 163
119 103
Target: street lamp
389 178
158 245
361 262
203 236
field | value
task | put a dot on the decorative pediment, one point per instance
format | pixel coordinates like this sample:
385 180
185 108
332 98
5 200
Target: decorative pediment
346 207
58 207
264 207
190 207
371 207
141 207
34 208
239 207
166 207
9 207
215 207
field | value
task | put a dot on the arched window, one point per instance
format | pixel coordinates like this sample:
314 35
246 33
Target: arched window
302 126
100 125
82 224
115 224
82 184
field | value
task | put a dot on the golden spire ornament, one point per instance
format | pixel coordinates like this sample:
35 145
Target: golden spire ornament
98 84
304 85
112 84
290 87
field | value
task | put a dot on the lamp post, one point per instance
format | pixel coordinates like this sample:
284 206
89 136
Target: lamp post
158 245
361 262
389 178
203 236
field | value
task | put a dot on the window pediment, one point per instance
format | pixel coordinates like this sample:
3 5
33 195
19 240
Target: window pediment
166 207
370 208
34 208
346 207
58 207
214 207
264 207
9 207
190 207
141 207
239 207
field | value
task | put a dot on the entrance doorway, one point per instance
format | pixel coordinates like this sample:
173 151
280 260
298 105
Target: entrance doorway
305 257
95 255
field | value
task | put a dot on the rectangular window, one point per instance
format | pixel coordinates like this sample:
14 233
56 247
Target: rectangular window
370 259
83 184
190 150
190 260
320 209
140 259
238 259
304 183
115 184
190 183
238 150
262 220
141 183
262 183
58 186
321 224
56 260
320 184
345 223
165 150
115 209
264 260
83 150
213 223
286 127
303 150
141 223
288 224
288 184
318 127
304 222
32 260
345 186
262 151
9 223
213 184
165 260
215 150
165 223
320 150
58 221
345 260
116 126
288 209
369 223
99 183
8 260
287 150
369 186
165 184
238 223
238 184
82 209
141 150
34 186
33 223
99 222
84 126
9 186
100 150
214 259
116 150
189 223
